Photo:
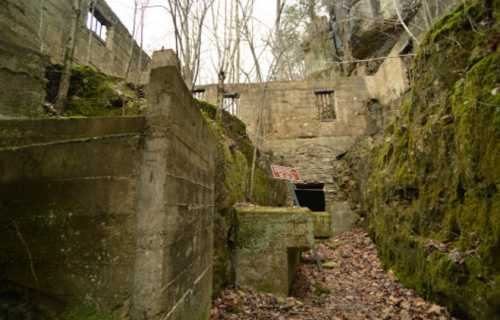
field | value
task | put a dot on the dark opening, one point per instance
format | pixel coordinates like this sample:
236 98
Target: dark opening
311 195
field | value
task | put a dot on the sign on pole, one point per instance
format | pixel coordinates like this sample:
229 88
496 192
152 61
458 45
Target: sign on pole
285 173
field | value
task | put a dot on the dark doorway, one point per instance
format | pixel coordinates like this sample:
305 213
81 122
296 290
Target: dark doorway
311 195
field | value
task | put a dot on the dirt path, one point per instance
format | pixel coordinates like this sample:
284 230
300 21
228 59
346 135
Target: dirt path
352 285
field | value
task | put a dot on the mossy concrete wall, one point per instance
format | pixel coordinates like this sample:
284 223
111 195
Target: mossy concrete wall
34 34
433 196
233 168
67 207
176 204
268 245
115 213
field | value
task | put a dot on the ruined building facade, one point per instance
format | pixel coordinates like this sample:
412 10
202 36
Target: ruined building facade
309 124
34 34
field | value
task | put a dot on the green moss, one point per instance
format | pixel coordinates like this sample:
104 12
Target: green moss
233 166
93 93
436 177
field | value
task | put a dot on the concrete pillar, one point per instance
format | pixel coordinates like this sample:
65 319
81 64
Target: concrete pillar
173 270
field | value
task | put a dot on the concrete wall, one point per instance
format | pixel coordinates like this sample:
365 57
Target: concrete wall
114 212
176 203
110 57
34 33
67 190
21 64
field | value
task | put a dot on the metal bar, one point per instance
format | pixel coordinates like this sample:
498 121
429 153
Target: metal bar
293 188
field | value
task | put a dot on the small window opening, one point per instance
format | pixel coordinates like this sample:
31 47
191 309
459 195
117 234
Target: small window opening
325 102
231 103
97 24
311 195
199 94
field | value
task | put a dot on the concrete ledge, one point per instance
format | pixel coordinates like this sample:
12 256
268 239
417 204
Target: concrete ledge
268 245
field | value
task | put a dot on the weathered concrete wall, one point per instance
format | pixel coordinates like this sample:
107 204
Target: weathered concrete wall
113 212
34 33
111 56
173 276
67 191
21 64
268 245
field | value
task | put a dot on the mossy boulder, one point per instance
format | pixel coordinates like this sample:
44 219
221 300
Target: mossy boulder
433 195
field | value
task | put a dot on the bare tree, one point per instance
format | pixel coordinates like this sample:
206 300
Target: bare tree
69 53
188 18
132 41
403 23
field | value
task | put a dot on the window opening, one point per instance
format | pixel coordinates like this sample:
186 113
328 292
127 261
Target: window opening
231 103
199 94
97 24
311 195
325 102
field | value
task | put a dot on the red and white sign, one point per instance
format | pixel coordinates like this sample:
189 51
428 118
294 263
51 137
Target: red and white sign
285 173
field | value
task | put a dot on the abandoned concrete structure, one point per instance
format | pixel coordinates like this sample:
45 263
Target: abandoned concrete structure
268 246
311 123
34 34
116 212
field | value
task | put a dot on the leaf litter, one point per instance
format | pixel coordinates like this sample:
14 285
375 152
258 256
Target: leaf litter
351 284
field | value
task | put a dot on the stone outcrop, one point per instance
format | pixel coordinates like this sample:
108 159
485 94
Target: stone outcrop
268 246
430 184
364 29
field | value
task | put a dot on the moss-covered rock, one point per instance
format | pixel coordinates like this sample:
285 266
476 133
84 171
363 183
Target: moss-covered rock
233 166
93 93
434 192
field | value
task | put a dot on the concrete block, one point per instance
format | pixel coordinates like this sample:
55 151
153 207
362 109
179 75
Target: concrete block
322 224
269 241
343 218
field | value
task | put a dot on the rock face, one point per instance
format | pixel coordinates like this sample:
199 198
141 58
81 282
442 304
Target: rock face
363 29
433 197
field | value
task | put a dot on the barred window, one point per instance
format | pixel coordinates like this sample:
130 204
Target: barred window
325 103
97 24
231 103
199 94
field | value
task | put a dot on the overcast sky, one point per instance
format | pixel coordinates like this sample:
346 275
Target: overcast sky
158 30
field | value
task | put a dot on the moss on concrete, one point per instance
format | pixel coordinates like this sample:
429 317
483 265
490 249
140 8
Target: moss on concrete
233 167
93 93
434 191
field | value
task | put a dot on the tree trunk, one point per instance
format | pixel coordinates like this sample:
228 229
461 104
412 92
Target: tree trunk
220 96
69 53
132 42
